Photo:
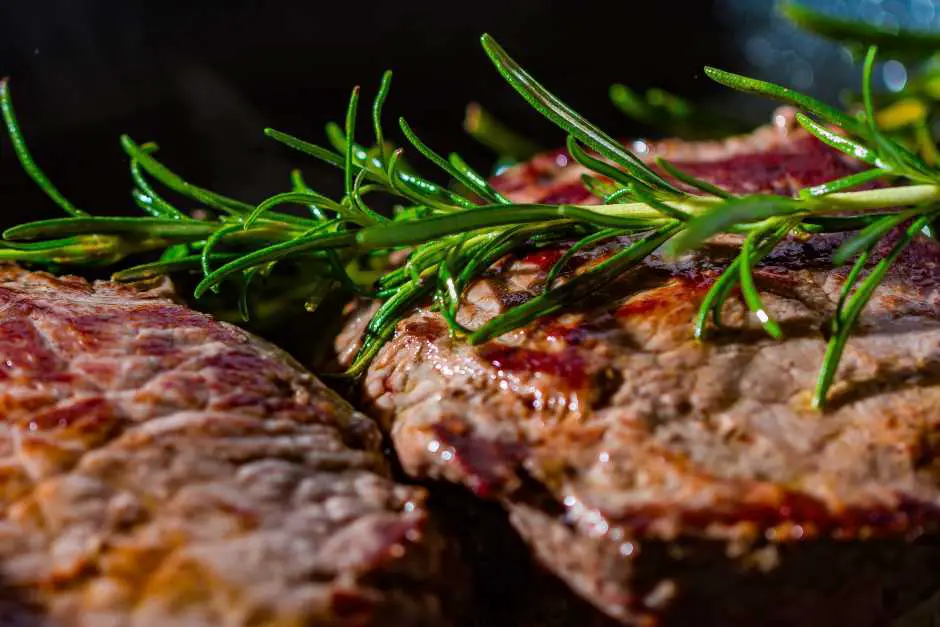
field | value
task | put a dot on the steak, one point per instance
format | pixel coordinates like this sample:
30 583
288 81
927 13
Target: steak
161 468
672 482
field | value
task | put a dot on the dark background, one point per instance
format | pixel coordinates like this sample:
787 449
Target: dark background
203 78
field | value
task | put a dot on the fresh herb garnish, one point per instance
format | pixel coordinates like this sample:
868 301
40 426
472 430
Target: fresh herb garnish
450 237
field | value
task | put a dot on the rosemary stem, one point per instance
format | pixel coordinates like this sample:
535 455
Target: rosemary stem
880 198
867 199
643 211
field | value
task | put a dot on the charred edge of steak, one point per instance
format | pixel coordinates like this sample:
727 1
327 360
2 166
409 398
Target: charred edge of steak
693 580
512 590
685 582
710 583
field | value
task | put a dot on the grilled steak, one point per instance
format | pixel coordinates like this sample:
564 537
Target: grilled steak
673 482
161 468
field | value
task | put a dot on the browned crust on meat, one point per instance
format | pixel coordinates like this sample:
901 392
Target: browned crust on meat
158 467
626 432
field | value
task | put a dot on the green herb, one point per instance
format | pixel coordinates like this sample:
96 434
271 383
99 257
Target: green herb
891 41
451 237
482 126
672 115
26 159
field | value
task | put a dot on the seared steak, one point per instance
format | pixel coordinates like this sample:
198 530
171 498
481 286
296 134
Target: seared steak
673 482
161 468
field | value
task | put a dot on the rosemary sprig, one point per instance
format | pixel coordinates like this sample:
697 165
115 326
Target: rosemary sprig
850 307
451 237
561 114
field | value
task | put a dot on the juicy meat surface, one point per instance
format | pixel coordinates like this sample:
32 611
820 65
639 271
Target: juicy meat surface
666 479
161 468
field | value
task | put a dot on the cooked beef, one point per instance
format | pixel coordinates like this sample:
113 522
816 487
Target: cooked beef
510 588
675 482
161 468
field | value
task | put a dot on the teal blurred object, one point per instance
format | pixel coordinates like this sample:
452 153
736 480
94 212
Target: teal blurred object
772 48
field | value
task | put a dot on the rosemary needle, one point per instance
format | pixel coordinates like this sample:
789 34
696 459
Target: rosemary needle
26 158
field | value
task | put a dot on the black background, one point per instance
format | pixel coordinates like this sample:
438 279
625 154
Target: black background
203 78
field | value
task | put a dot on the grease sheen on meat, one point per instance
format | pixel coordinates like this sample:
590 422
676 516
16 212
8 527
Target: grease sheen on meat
673 482
161 468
